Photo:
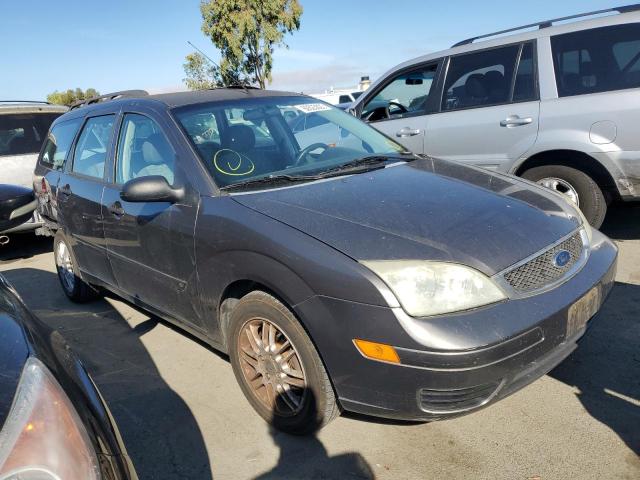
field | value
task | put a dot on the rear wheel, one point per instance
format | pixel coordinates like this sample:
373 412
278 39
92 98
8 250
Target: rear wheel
277 366
74 287
576 186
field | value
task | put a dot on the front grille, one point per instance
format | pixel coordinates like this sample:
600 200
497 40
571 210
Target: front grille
542 270
451 401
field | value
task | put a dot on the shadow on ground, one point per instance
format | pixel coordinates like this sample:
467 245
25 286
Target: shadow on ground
606 366
25 245
623 221
160 432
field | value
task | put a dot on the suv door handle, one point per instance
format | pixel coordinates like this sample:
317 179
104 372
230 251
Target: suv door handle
116 209
408 132
515 121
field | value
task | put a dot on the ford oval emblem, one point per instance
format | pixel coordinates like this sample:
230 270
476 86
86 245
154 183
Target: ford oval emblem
562 258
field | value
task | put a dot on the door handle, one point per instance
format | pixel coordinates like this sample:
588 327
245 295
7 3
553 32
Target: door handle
116 209
515 121
408 132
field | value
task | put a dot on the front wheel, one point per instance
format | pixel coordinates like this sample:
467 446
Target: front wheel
277 366
576 186
74 287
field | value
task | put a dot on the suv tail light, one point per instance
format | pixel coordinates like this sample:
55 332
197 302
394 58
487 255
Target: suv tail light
43 438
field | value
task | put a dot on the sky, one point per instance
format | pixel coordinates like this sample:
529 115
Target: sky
118 45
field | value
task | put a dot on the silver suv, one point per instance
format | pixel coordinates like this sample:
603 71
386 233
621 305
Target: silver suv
557 104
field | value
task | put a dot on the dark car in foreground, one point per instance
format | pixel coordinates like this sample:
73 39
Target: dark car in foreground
53 422
337 273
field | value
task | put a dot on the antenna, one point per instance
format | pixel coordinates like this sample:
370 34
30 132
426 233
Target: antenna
204 54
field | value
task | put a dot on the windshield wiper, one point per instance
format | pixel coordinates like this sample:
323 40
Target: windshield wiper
359 165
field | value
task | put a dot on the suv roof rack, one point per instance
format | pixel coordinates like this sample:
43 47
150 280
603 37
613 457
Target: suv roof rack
109 96
549 23
26 101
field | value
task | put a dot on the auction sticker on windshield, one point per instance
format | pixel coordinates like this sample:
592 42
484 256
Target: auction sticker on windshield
312 107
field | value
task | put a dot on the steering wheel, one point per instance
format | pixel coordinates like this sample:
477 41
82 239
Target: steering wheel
402 108
307 150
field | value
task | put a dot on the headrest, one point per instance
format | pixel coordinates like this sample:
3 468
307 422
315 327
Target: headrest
155 150
239 138
474 86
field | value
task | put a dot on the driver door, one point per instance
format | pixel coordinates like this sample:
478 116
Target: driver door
400 107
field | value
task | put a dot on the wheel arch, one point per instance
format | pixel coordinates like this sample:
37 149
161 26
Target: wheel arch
574 159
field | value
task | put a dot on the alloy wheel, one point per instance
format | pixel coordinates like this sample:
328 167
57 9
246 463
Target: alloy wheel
65 266
561 186
272 367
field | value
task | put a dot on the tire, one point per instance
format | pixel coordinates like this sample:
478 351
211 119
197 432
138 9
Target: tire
253 315
591 199
73 286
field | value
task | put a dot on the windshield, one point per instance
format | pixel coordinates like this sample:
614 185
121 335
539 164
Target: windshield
24 133
263 137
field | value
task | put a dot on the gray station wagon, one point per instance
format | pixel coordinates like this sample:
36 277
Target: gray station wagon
555 102
336 269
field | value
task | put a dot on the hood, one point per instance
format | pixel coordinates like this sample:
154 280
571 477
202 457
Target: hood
427 209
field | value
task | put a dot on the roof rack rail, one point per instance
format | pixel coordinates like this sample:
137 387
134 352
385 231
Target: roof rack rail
26 101
549 23
109 96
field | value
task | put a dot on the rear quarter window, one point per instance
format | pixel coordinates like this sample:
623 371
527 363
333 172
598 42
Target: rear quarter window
24 133
58 144
597 60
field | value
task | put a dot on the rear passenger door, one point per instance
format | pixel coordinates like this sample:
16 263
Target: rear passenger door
400 107
150 244
79 196
489 108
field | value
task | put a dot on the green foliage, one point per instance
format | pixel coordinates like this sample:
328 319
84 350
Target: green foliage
71 96
246 32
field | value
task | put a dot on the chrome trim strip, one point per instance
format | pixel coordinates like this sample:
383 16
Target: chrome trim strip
23 210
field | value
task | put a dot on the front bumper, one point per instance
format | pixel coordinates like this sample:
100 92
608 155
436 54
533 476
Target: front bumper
473 358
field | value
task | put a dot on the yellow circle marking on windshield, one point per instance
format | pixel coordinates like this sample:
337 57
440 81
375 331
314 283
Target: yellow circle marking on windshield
233 170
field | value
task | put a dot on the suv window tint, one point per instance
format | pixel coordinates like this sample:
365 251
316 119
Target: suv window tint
58 143
597 60
480 78
406 94
143 150
91 149
525 86
24 133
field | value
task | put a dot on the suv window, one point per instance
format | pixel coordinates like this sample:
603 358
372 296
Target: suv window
406 94
344 99
23 133
597 60
58 143
524 88
143 150
480 78
91 149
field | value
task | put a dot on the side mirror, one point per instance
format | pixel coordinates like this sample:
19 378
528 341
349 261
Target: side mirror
352 111
154 188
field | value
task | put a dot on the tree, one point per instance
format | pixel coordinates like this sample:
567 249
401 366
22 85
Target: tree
71 96
202 73
246 32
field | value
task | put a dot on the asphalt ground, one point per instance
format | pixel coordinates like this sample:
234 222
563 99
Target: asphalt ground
182 414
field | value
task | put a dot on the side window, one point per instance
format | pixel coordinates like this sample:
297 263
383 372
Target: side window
91 149
597 60
58 144
524 88
143 150
344 99
480 78
406 94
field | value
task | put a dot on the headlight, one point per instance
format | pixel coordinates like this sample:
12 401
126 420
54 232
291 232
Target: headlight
432 288
43 438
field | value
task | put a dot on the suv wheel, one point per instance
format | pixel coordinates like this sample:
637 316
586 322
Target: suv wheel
576 186
74 287
277 366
